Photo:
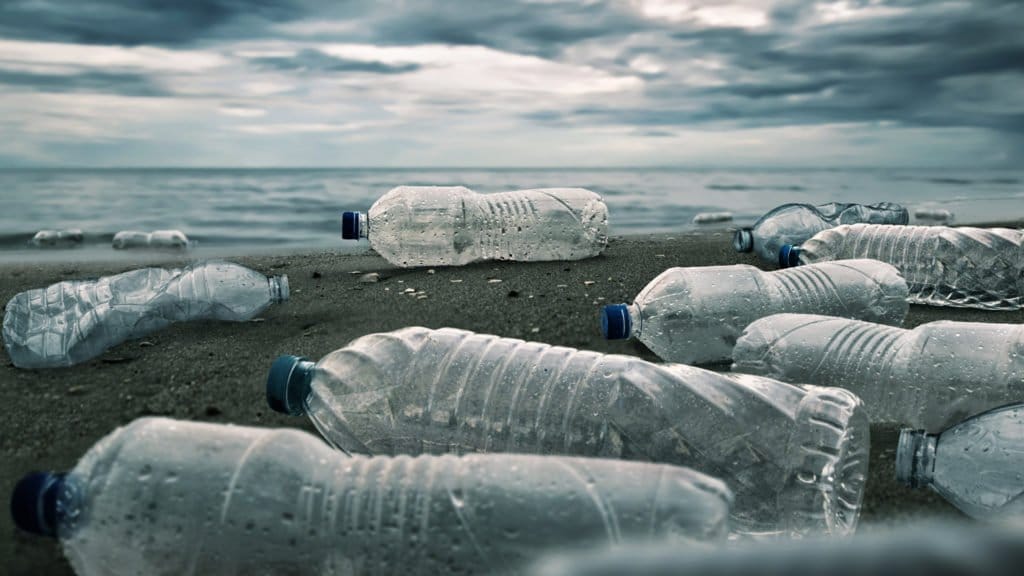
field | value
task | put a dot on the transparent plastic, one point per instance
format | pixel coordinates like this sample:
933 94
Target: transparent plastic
931 376
57 238
159 239
976 465
163 496
694 315
795 223
452 226
795 456
943 266
74 321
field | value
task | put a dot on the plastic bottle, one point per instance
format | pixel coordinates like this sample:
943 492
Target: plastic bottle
795 223
694 315
452 226
977 465
943 266
161 496
57 238
919 549
795 456
931 376
712 217
160 239
74 321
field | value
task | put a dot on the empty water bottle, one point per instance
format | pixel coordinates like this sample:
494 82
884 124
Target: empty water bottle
976 465
943 266
452 226
694 315
57 238
162 496
74 321
921 549
160 239
931 376
796 223
794 456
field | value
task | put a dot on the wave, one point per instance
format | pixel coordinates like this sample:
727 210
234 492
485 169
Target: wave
745 187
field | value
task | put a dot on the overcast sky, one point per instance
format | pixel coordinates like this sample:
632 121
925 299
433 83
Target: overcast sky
511 83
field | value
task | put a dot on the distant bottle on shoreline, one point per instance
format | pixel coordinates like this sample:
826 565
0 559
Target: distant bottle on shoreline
795 223
452 225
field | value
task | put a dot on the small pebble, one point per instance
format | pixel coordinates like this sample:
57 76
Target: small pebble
493 280
455 280
146 344
76 390
421 296
213 411
659 255
513 293
257 320
317 274
431 271
588 282
354 272
535 329
561 285
370 277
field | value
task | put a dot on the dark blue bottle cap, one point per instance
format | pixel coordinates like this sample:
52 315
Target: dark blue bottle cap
743 240
350 225
288 384
34 503
615 322
789 256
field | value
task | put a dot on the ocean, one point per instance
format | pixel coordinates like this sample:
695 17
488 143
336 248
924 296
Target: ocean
230 211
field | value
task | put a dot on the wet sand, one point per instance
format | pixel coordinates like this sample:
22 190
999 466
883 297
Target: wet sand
216 372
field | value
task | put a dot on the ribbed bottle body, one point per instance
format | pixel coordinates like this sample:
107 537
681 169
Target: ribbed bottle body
451 226
168 497
960 267
928 377
417 390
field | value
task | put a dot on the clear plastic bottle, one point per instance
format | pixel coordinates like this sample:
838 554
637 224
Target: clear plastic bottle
159 239
694 315
795 223
919 549
74 321
57 238
930 377
161 496
795 456
977 465
943 266
452 225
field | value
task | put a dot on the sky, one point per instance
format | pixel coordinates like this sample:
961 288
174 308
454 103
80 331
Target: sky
599 83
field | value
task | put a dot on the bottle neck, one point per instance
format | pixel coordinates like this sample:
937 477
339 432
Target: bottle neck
915 458
743 240
47 504
279 290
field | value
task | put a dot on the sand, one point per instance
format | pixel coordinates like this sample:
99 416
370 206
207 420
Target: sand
216 372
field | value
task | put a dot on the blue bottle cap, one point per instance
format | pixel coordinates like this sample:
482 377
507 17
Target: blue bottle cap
34 503
789 256
615 322
288 384
743 240
350 225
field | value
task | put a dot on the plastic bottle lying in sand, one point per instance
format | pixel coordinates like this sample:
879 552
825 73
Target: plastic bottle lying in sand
962 267
694 315
160 239
795 456
795 223
919 549
934 214
57 238
161 496
931 376
976 465
74 321
452 226
712 217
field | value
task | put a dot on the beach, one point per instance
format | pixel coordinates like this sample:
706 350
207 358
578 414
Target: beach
216 371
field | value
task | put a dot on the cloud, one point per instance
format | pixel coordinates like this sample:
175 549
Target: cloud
312 61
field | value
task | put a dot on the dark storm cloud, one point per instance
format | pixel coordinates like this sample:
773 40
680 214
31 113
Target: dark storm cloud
136 22
316 61
96 82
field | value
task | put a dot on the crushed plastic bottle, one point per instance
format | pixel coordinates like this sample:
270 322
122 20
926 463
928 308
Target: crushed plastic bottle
57 238
73 321
961 267
161 496
694 315
712 217
919 549
930 377
452 226
795 456
795 223
160 239
976 465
